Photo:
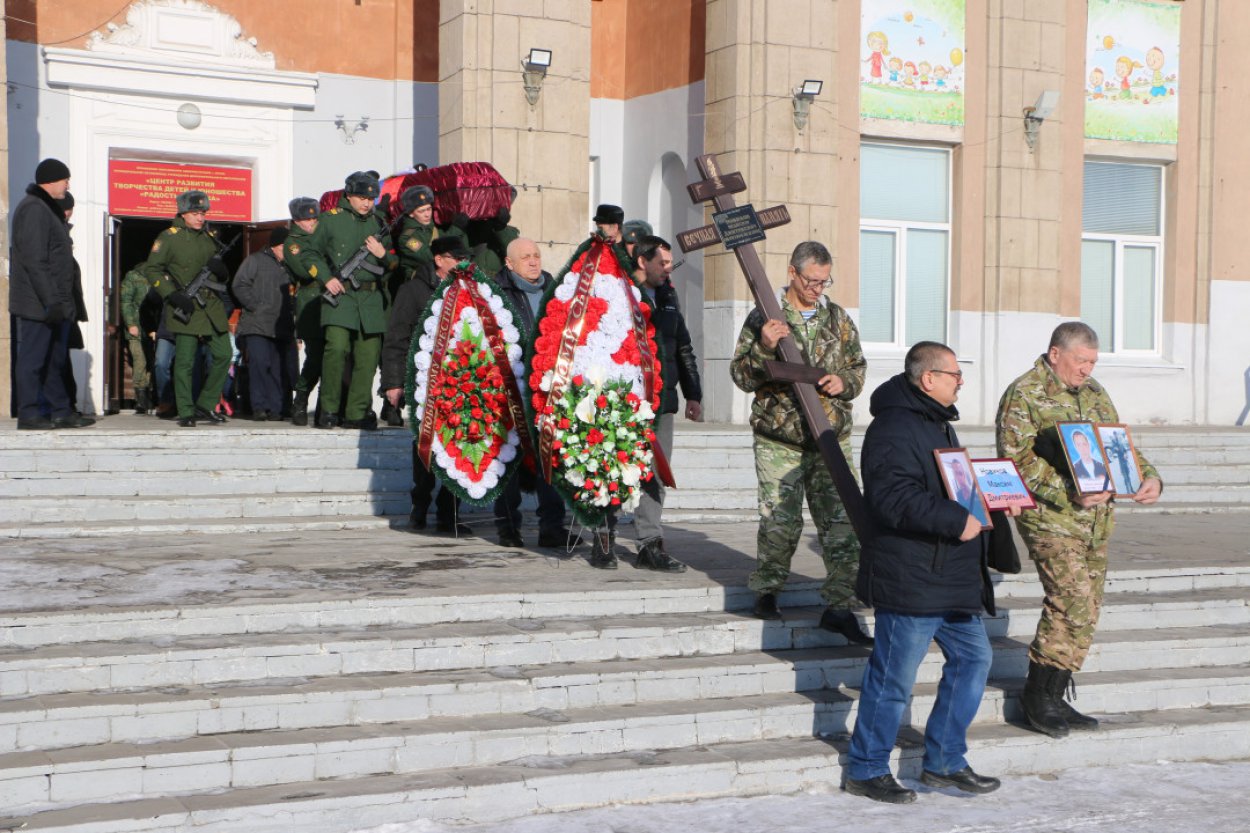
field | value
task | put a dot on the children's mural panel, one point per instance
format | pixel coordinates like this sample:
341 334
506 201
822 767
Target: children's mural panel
912 62
1132 71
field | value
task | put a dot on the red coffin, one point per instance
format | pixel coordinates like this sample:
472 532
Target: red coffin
474 188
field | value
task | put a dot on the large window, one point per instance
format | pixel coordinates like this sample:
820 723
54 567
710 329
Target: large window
1121 254
904 243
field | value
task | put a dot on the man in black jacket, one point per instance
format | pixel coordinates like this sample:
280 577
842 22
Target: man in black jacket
41 299
267 327
925 573
653 260
523 281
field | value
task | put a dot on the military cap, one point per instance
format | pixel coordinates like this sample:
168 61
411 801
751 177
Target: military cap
361 184
609 214
189 201
303 208
415 197
453 246
635 229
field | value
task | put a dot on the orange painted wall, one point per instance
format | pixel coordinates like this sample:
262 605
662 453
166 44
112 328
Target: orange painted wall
639 47
395 40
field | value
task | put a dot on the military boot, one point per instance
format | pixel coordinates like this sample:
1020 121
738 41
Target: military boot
143 401
652 556
1076 721
602 555
299 409
1039 702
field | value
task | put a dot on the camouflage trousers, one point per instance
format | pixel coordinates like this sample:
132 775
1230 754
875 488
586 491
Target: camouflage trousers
1072 576
786 474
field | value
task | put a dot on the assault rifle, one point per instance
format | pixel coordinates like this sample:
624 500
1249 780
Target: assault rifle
204 280
347 272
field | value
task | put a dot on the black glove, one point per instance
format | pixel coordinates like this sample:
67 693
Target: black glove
460 220
218 267
53 315
182 302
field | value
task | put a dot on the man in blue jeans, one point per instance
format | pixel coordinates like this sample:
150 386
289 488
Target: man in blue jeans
925 573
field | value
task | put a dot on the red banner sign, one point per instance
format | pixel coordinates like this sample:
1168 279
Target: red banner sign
150 189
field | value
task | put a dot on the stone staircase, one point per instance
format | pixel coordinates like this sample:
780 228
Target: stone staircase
133 475
339 714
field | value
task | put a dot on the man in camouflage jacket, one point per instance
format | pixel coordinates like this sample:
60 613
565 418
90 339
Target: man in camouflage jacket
1067 534
134 290
787 461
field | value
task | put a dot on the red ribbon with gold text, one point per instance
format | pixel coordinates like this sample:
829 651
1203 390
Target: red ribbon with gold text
647 362
442 334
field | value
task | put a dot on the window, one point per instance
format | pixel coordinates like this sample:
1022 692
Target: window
904 243
1121 254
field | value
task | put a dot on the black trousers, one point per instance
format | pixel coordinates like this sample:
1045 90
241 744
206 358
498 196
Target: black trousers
42 352
423 484
264 373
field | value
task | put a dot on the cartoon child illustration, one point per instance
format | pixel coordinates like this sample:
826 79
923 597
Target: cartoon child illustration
909 74
940 72
896 66
1124 67
1097 79
879 45
925 67
1154 60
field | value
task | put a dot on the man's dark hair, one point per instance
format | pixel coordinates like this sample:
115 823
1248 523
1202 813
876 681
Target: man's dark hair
923 357
810 251
648 246
1072 334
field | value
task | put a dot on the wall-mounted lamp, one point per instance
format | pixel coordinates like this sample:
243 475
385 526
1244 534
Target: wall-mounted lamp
189 116
534 70
349 133
1038 113
803 96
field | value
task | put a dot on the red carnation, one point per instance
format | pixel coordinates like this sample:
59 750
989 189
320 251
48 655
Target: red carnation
556 445
623 456
564 423
579 379
601 401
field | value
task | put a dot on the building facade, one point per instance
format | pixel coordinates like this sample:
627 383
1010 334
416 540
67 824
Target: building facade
980 169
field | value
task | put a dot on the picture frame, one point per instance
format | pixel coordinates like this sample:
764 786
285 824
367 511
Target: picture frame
1087 464
955 467
1121 456
1001 484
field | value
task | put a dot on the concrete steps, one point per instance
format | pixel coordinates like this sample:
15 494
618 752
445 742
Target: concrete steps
134 475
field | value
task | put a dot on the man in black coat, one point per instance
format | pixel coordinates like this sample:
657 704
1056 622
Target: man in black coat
267 327
524 282
405 315
653 265
41 299
925 573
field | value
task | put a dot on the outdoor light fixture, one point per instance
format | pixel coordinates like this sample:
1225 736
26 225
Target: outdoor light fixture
189 116
351 131
803 95
534 71
1038 113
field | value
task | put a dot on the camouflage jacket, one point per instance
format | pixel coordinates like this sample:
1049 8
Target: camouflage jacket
135 288
828 340
1027 414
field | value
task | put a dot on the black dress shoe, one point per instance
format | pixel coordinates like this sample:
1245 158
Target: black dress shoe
965 779
511 538
35 424
186 422
260 416
653 556
328 421
367 423
279 417
210 416
844 623
766 607
553 537
451 527
73 421
882 788
416 519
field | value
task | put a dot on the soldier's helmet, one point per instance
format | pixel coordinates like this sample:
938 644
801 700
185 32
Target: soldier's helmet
189 201
361 184
415 197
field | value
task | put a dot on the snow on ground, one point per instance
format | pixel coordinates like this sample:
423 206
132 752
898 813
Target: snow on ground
1158 798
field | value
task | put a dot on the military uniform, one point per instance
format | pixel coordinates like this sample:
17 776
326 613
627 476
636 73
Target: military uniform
177 256
355 326
412 245
307 265
787 462
1067 543
134 289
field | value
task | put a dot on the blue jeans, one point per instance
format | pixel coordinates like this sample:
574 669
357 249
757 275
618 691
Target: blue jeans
901 644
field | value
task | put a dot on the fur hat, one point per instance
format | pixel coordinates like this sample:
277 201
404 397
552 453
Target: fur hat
361 184
415 197
453 246
51 170
189 201
303 208
635 229
609 214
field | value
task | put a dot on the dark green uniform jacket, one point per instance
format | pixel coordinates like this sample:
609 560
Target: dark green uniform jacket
307 265
177 256
340 233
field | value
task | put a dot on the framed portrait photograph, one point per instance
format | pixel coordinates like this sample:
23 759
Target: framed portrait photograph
1086 462
1121 456
961 484
1001 484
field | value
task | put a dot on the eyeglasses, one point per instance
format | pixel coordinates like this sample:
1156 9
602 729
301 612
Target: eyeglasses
958 374
816 282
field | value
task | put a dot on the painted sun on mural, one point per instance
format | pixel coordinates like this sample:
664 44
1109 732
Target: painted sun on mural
912 66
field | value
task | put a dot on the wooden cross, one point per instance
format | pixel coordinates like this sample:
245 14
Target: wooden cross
739 227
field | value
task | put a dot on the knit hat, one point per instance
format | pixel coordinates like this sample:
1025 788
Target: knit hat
453 246
51 170
66 202
277 236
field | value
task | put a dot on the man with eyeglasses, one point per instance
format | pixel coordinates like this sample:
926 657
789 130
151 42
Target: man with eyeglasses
788 463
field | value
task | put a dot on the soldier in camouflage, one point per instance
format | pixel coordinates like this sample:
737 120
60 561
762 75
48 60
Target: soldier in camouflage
787 462
1067 534
134 289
